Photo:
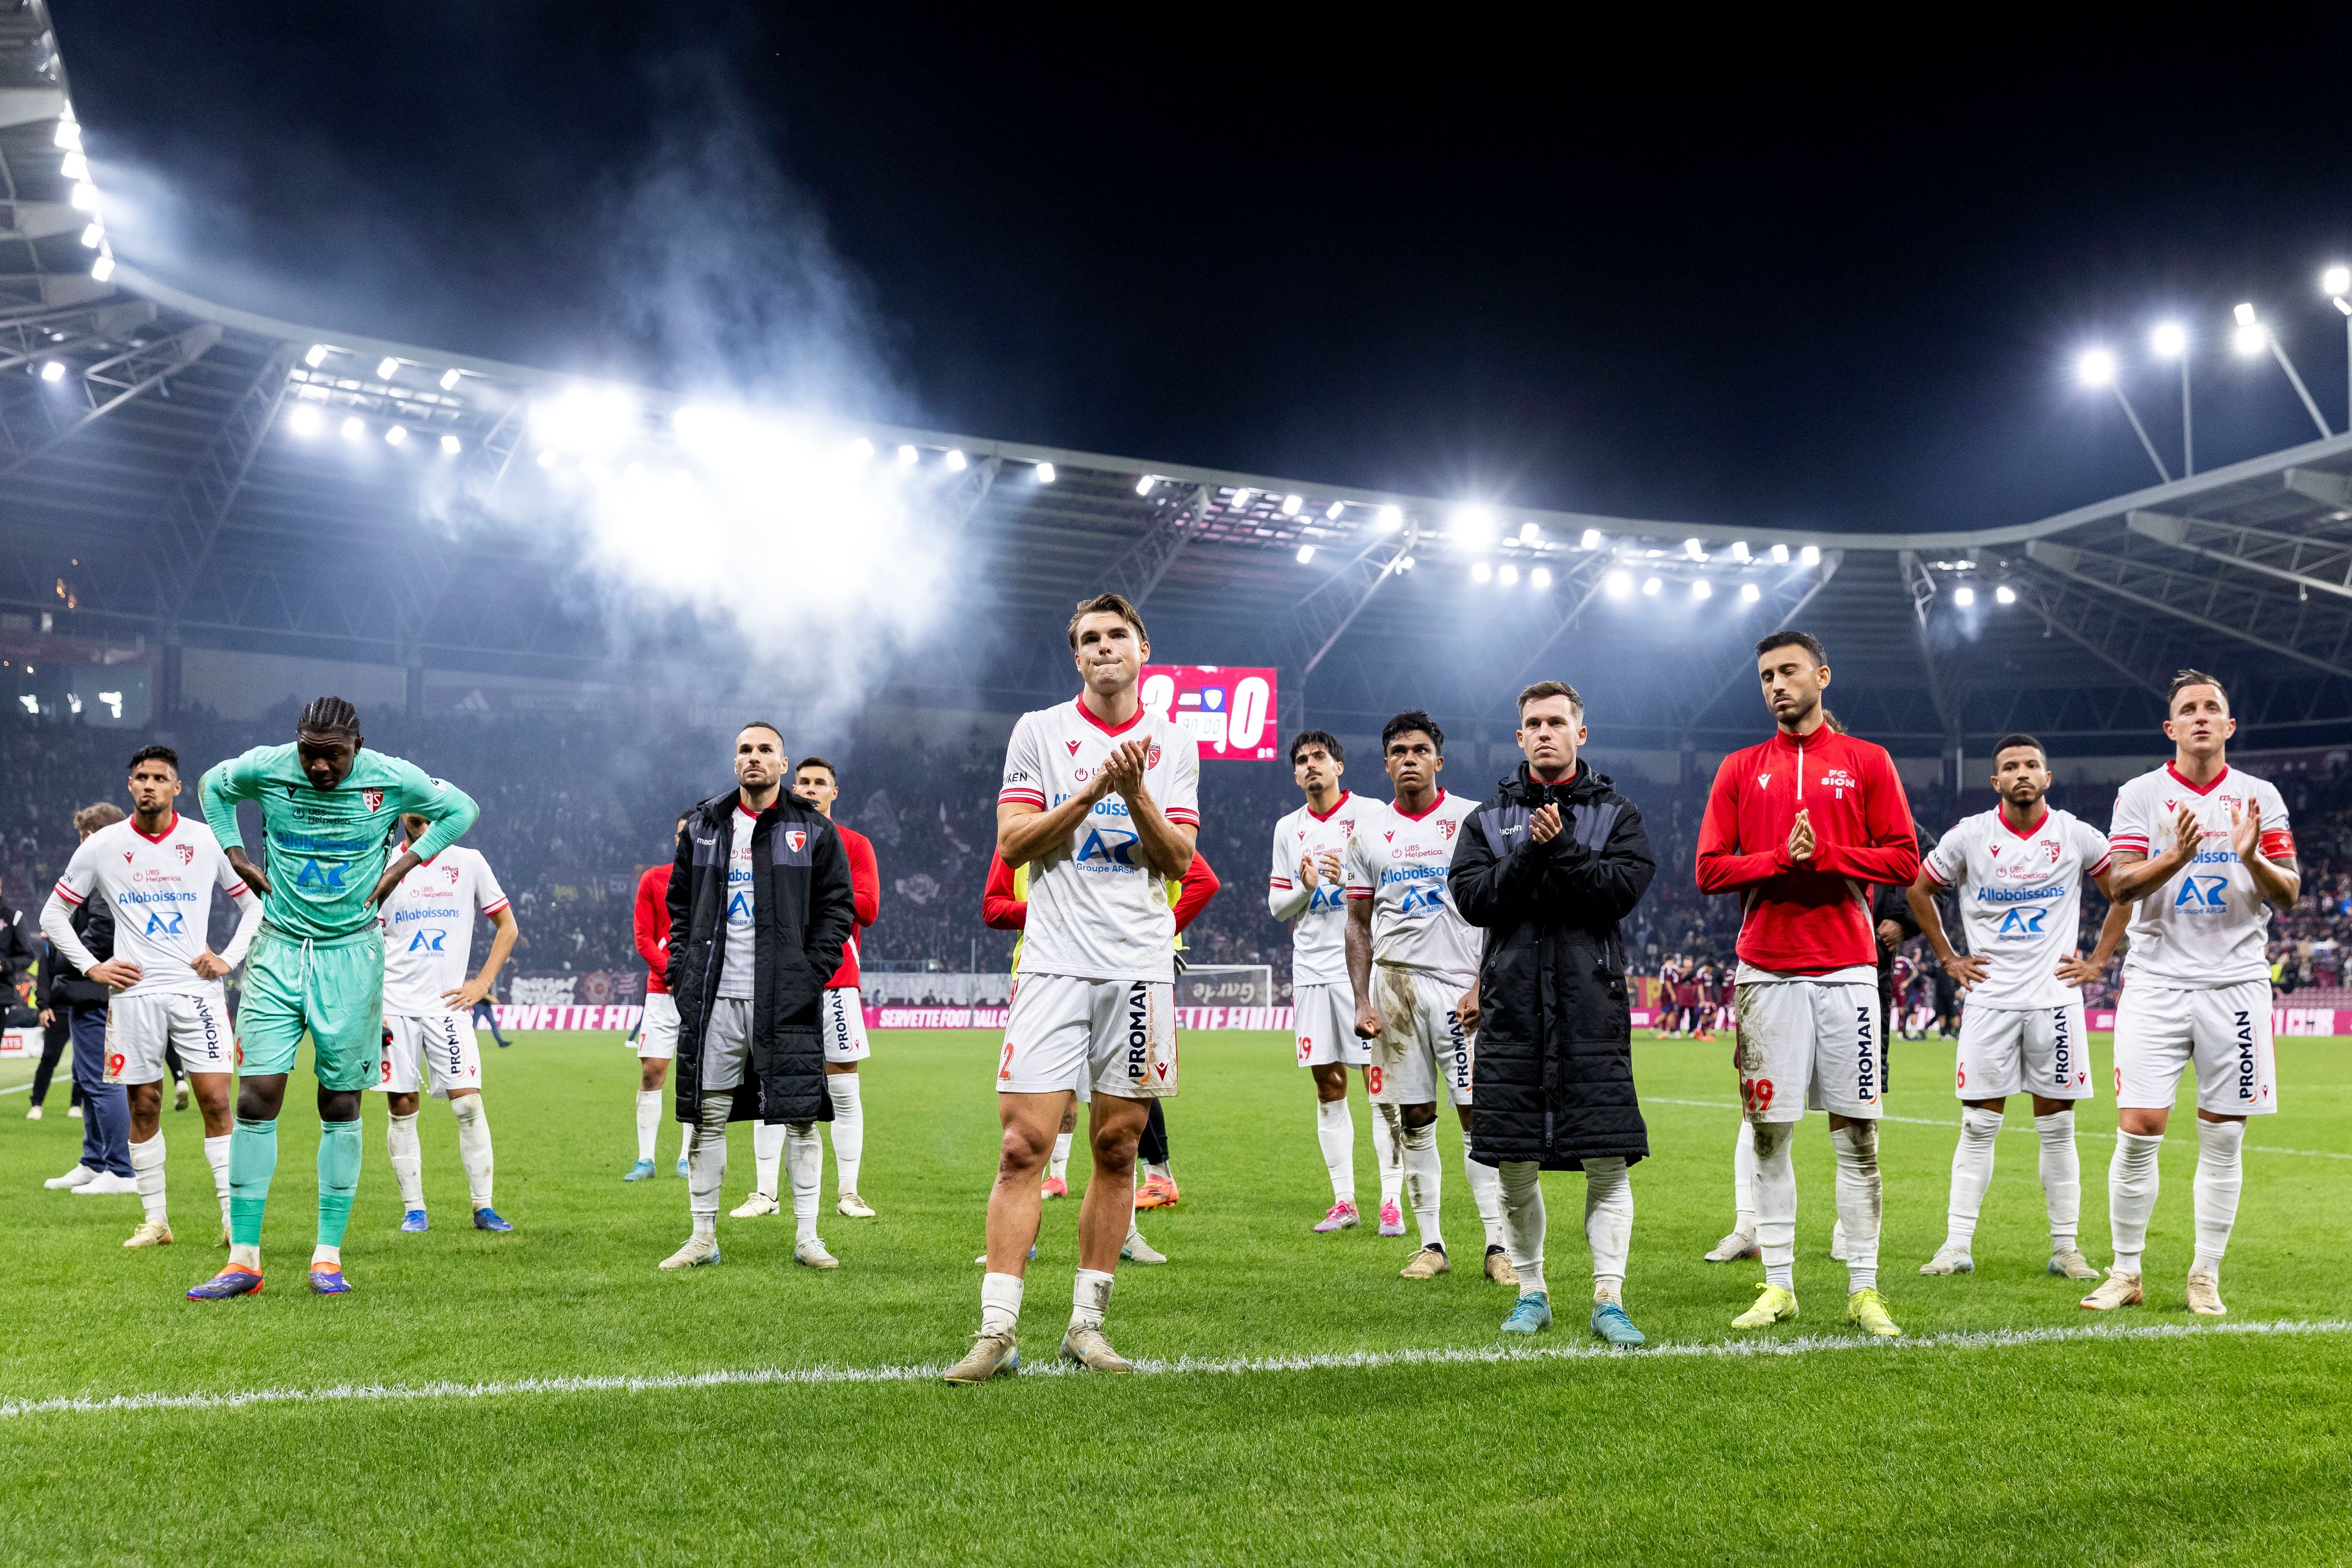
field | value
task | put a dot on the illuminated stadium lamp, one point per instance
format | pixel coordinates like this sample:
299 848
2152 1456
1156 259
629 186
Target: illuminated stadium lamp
92 234
1509 575
1695 549
316 357
103 268
54 371
908 456
1620 583
2004 594
1750 593
1529 534
1739 551
1809 556
956 461
1650 586
355 428
2251 338
2167 340
1406 563
85 197
1702 589
1473 526
2096 368
449 379
1482 572
1591 540
74 166
2336 280
394 436
1964 596
1390 518
451 446
1240 498
1331 513
1045 473
1540 577
1780 555
1143 485
860 450
1306 554
1290 504
304 420
68 132
546 457
387 368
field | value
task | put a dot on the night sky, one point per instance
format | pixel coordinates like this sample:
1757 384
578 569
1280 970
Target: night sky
1829 278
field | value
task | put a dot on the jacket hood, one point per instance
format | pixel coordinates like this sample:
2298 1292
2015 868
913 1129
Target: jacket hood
1583 785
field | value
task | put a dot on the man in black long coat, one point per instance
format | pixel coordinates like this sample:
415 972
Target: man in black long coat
1547 866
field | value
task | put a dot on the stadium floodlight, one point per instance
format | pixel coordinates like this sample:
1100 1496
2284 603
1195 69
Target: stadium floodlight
1739 551
1239 503
1509 574
316 357
396 435
2243 314
74 166
103 268
53 370
451 446
1306 554
91 234
1482 572
585 419
1045 473
1290 504
2096 368
956 460
907 456
449 379
1529 534
2248 339
85 196
1390 518
1620 583
1473 526
1144 484
2167 340
860 450
68 132
1809 556
387 368
1331 513
355 428
1540 577
1695 549
2336 280
2253 336
2004 594
1750 593
1780 555
1591 540
1650 586
1964 596
305 420
1406 563
1702 589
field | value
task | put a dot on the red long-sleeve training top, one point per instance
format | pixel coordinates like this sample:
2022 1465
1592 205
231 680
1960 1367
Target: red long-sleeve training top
1809 919
866 893
1001 907
652 924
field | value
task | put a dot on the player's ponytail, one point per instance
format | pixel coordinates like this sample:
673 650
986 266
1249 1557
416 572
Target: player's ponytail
1829 721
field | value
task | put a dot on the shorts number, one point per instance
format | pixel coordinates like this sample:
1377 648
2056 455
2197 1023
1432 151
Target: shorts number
1758 1094
387 1071
1005 1067
114 1064
1372 1080
1305 1049
1960 1078
2119 1079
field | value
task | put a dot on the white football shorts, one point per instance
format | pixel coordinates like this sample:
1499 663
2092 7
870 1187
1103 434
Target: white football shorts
1808 1045
1422 1042
843 1020
1325 1021
657 1031
1116 1037
438 1050
2022 1051
2224 1030
196 1022
727 1044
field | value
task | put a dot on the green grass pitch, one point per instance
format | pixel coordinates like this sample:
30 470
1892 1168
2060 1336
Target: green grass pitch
2122 1447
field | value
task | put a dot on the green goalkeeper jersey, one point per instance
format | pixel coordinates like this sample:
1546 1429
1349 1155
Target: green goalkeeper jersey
327 848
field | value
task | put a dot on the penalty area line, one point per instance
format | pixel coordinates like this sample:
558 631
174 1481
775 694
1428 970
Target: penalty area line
1467 1355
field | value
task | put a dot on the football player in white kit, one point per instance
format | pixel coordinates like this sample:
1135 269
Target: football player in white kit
1307 891
1421 1008
1100 801
157 869
2019 870
2206 853
428 1001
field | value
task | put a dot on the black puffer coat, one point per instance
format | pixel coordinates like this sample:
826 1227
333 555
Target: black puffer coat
1554 1077
803 910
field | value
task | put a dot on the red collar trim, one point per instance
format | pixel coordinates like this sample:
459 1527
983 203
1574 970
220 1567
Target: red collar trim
1088 714
155 838
1786 742
2038 824
1423 816
1344 795
2198 788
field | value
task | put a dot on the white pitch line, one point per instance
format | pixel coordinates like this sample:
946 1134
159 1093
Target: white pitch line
763 1377
2022 1130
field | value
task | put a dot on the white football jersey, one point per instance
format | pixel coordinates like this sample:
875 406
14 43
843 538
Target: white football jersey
1096 912
2020 900
1403 864
2206 926
428 930
1319 939
161 891
738 959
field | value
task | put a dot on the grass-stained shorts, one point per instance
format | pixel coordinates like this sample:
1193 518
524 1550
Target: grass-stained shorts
333 990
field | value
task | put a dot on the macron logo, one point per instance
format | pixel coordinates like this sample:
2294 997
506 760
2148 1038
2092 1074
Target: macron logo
1762 779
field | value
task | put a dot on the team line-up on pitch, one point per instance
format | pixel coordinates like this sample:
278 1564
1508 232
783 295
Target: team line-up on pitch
1446 946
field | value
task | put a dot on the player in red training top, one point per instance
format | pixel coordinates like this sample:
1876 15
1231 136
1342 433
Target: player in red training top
842 1017
1801 827
657 1029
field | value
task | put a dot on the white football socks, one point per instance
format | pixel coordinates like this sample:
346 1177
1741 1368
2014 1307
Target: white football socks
767 1155
2132 1183
1335 1130
1776 1199
1523 1222
216 1156
1487 1192
1090 1299
1743 1181
407 1160
706 1162
1860 1201
474 1147
1000 1303
1059 1167
1421 1182
848 1127
1971 1174
1608 1225
1387 1153
804 1152
2062 1177
147 1169
2220 1174
648 1121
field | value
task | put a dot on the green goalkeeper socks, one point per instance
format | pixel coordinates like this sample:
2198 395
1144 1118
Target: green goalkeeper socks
252 1161
339 1178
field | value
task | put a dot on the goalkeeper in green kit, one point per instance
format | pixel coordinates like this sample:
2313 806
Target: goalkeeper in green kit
328 807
